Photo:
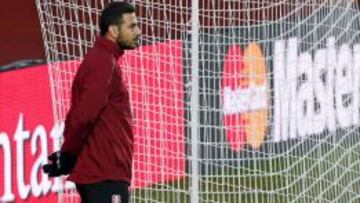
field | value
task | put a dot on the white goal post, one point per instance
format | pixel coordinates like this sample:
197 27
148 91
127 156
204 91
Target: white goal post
233 101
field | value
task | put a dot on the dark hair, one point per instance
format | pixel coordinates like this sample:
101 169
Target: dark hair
112 15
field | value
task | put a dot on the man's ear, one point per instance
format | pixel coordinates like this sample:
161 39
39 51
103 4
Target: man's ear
113 30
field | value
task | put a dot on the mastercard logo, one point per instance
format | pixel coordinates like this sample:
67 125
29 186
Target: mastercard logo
244 96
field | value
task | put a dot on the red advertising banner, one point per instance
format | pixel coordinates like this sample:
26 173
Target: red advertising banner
26 121
27 125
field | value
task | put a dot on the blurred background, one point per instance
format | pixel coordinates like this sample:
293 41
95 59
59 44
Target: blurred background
21 42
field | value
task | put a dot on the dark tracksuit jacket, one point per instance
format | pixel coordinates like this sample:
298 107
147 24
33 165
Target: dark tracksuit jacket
98 126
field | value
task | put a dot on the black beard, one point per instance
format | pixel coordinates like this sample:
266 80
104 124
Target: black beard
124 46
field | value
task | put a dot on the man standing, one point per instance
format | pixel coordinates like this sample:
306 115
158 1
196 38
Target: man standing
98 147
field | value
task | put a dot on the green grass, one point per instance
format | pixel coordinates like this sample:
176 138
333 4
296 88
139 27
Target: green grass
322 175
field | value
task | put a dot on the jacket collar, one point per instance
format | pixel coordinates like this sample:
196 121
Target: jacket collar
109 45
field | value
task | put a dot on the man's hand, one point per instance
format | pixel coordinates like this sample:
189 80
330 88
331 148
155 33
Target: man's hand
61 164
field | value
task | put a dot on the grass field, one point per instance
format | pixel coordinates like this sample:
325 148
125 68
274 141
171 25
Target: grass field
325 174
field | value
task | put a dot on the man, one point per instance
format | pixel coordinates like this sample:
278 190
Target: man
98 147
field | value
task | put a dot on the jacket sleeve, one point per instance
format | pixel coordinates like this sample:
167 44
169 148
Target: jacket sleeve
95 87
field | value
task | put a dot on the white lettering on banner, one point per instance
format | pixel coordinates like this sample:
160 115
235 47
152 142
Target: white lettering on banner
38 145
55 135
320 83
8 196
320 93
356 85
292 62
244 100
305 96
45 184
330 93
279 77
343 82
20 136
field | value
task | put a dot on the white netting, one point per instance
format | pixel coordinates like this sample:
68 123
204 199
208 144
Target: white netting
265 92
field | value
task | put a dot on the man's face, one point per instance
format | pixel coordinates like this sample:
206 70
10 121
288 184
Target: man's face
129 32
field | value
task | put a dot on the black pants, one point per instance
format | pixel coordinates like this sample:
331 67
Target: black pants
104 192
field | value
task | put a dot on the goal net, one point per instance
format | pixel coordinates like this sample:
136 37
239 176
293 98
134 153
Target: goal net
233 101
